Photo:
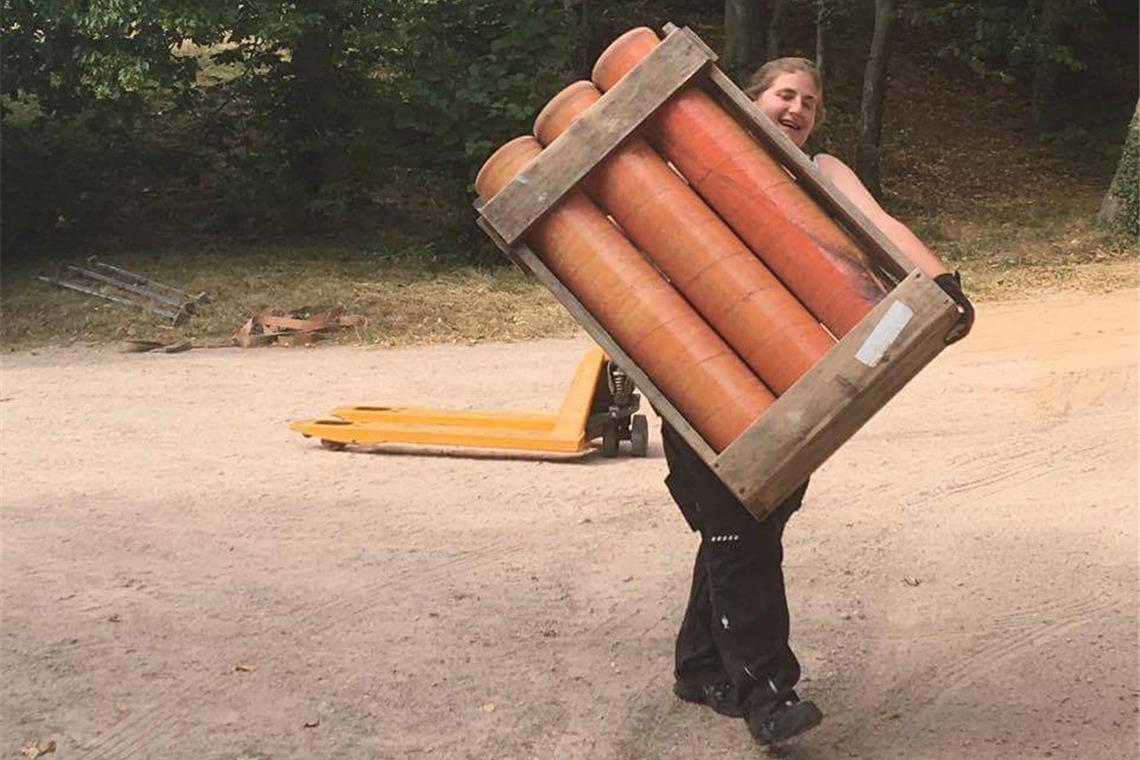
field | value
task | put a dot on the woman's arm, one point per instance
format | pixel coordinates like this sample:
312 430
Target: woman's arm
848 183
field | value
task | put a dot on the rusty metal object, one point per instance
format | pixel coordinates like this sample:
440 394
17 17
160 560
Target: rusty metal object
268 329
136 346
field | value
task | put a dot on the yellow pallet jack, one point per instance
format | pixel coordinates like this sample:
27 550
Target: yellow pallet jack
601 403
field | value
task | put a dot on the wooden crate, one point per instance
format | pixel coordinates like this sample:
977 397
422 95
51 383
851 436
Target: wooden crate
834 398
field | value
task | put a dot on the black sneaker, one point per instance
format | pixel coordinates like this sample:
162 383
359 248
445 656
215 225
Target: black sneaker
787 720
720 696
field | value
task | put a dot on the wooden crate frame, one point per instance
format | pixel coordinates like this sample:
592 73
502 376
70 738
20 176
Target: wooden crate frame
836 396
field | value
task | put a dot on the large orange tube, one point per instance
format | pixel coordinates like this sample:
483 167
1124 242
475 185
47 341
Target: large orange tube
824 268
684 358
712 268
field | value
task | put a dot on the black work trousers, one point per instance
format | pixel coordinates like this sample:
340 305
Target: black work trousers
735 628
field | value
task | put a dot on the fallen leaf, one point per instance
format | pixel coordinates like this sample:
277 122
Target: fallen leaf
35 750
313 723
912 581
244 667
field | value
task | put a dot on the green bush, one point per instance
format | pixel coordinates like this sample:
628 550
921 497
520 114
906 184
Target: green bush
289 116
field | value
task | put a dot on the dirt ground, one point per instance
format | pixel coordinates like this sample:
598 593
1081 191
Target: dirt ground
183 577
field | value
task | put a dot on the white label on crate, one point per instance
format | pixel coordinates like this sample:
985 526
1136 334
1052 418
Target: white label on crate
884 334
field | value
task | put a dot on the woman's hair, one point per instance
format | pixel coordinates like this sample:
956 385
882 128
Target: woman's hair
763 77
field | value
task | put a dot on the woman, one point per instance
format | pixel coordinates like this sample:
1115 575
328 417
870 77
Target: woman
789 92
732 650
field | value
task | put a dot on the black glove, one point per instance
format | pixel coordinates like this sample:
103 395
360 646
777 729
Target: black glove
952 284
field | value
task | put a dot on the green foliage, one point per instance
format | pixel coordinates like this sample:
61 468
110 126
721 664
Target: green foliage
321 115
471 75
73 56
1003 39
297 113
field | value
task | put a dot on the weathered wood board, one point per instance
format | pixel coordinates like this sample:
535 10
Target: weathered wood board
834 398
588 141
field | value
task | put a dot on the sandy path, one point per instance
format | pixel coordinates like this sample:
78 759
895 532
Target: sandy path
161 526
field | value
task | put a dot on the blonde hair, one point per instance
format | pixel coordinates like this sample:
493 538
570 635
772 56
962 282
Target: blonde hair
764 76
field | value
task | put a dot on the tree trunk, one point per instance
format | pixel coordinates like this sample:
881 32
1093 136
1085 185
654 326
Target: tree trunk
776 29
822 17
745 27
318 112
1049 25
586 51
1121 208
869 147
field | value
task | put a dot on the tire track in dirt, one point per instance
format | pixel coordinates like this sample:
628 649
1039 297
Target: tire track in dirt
139 742
152 724
1007 637
1010 468
494 550
639 734
1015 621
326 615
554 710
1016 637
582 734
319 618
625 690
1065 393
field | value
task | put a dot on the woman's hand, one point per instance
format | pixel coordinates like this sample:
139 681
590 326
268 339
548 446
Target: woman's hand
952 284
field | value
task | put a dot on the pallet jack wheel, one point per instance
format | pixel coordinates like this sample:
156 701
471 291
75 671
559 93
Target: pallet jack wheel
610 440
332 445
639 435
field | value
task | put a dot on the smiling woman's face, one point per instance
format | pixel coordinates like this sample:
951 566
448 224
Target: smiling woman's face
791 102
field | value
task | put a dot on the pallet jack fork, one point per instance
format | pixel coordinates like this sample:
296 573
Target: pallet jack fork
600 404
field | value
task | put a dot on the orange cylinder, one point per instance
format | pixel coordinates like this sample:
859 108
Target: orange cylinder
705 261
684 358
812 255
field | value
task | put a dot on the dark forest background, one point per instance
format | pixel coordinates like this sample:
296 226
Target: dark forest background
141 121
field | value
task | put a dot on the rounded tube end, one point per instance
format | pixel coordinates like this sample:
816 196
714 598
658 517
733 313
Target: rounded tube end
504 164
622 55
563 109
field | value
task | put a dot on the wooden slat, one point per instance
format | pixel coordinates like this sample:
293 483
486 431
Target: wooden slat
837 395
885 253
566 161
527 259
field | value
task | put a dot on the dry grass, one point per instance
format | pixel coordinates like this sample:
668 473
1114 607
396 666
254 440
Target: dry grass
406 300
415 296
1004 258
